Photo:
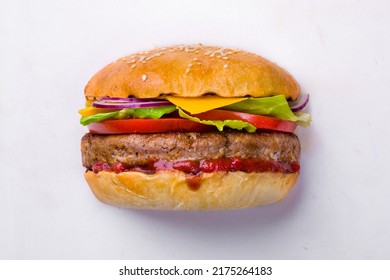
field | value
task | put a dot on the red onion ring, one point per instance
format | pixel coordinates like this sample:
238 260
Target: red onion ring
300 103
122 103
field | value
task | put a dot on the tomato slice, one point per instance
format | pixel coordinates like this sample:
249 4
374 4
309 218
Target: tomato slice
179 124
260 122
147 126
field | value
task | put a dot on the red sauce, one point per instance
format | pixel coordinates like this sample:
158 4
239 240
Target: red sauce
194 181
194 168
207 166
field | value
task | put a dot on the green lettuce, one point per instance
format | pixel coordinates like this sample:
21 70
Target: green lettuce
140 113
235 124
275 106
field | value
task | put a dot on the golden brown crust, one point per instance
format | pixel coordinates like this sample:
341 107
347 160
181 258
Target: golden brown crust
169 190
192 71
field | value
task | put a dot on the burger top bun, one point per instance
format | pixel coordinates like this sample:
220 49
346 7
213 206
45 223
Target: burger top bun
192 71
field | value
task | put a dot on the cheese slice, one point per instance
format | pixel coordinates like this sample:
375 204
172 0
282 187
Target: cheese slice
89 111
88 103
193 105
197 105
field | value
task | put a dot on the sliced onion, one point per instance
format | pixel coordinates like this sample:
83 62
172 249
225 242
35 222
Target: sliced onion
122 103
300 103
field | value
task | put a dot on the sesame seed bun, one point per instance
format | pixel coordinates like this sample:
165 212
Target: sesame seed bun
168 190
192 71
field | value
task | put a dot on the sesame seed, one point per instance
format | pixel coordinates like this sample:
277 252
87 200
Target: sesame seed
132 66
143 77
225 66
195 58
225 57
187 70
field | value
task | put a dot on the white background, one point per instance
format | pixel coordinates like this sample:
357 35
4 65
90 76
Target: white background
337 50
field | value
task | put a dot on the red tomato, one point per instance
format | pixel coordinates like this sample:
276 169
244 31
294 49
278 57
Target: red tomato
260 122
147 126
179 124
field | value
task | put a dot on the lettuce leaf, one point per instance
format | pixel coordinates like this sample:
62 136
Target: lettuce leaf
140 113
275 106
235 124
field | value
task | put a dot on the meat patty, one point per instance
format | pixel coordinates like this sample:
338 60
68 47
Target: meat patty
139 149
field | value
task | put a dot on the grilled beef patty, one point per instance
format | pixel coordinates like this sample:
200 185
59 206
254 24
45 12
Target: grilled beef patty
139 149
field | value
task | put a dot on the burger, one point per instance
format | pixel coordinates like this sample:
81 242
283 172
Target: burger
192 127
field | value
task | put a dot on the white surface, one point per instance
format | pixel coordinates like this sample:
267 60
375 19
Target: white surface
337 50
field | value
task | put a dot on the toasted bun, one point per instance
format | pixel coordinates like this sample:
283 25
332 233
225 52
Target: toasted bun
169 190
192 71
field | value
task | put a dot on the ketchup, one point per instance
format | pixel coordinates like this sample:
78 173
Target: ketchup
206 166
195 168
194 181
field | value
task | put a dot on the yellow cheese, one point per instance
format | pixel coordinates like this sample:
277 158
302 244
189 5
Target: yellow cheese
89 111
193 105
196 105
88 103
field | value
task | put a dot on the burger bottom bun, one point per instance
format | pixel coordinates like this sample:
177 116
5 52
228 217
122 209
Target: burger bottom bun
169 190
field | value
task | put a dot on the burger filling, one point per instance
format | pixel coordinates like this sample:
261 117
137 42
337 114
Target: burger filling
238 112
192 135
